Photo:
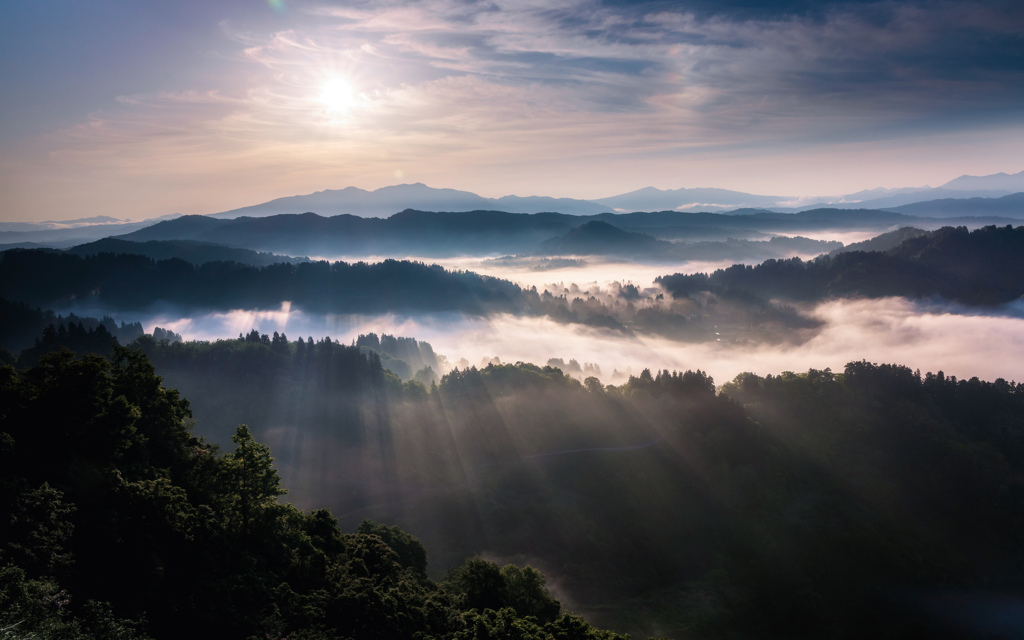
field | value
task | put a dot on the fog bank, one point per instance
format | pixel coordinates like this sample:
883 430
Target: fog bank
920 335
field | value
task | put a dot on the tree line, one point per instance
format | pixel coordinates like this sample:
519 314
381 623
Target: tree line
979 267
119 522
790 505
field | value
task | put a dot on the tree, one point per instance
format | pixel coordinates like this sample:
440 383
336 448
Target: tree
250 476
480 584
527 593
411 552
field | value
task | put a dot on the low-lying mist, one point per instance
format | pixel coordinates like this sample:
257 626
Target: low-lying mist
546 272
922 335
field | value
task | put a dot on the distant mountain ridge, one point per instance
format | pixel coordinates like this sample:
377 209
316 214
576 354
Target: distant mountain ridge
408 233
915 196
1012 182
389 200
1011 206
444 234
386 201
652 199
70 232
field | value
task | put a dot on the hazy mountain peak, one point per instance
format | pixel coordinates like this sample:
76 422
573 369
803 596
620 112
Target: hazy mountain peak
407 186
648 192
386 201
996 182
698 198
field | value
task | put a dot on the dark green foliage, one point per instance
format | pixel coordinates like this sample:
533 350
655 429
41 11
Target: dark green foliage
480 584
261 380
409 551
439 233
527 595
483 586
21 328
38 529
792 506
39 608
119 524
805 505
249 477
132 282
195 252
598 237
402 356
973 267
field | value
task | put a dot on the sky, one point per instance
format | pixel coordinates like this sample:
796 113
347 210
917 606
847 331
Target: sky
139 109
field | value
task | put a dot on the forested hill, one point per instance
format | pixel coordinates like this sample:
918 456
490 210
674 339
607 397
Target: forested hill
189 250
983 267
127 285
130 282
875 502
429 233
21 326
600 238
406 233
978 267
120 524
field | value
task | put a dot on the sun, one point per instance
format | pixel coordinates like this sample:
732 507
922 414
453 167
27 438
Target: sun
337 95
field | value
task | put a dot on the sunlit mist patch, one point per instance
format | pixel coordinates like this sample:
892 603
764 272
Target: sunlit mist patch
922 335
534 271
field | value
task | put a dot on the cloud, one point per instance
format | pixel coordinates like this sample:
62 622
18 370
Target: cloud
566 89
668 73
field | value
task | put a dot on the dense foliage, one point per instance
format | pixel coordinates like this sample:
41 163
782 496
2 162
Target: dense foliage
438 233
118 522
189 250
22 327
973 267
600 238
737 305
822 504
133 282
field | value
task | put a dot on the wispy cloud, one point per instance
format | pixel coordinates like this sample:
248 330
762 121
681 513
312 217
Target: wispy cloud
446 87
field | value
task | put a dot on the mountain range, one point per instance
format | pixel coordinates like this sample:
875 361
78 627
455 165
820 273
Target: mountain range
1011 205
995 195
388 200
446 234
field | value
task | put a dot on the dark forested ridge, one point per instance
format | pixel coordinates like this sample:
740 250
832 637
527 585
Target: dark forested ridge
406 233
132 283
1011 206
427 233
117 522
22 327
602 239
875 502
883 242
189 250
982 267
979 267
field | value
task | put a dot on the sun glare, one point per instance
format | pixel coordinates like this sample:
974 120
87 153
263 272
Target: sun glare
337 96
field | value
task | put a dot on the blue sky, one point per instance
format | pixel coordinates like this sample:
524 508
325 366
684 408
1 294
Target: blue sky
133 109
